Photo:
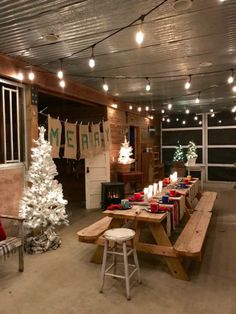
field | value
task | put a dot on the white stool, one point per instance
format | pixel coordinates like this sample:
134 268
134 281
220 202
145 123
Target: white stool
120 236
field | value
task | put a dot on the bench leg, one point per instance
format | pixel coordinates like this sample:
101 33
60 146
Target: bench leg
21 258
98 255
174 263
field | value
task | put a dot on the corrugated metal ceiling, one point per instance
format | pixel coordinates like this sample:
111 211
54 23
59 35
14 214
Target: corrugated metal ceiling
176 43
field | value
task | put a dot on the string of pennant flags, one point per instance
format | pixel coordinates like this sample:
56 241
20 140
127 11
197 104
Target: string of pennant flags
87 139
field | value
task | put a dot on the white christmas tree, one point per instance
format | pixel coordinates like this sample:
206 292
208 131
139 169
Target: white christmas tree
42 204
125 152
191 151
179 153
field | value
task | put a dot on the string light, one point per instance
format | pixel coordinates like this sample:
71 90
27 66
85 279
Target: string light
212 115
200 122
197 100
219 121
233 109
234 88
188 83
147 108
211 110
148 85
114 106
130 107
187 111
196 118
169 106
20 76
62 83
151 117
139 37
168 120
31 75
163 119
231 77
60 73
183 122
162 111
92 60
139 109
177 119
105 85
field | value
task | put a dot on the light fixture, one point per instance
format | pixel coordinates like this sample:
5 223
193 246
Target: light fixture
212 115
114 106
139 109
211 110
188 83
60 72
183 122
92 60
177 119
168 120
219 121
140 35
162 111
169 106
130 107
196 118
105 85
163 119
200 122
233 109
187 111
20 76
231 77
62 83
148 85
31 75
197 100
147 108
234 88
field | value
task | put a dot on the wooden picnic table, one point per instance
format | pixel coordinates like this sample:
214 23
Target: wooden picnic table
153 221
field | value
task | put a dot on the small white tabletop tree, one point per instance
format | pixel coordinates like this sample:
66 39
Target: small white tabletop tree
125 152
42 204
179 153
191 153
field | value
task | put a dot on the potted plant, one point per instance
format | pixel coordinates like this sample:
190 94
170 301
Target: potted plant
178 161
191 154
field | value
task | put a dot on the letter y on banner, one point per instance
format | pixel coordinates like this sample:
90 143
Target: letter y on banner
106 135
54 136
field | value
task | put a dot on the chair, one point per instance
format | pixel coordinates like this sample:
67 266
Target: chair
119 238
14 240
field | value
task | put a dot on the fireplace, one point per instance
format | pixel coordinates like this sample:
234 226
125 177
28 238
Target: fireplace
112 193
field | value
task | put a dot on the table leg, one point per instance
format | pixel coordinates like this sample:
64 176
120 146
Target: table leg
174 263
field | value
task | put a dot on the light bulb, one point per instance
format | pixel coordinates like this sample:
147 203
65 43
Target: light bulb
62 83
92 62
168 120
233 109
139 37
162 111
188 83
220 121
183 122
139 109
130 107
169 106
60 74
147 108
114 106
231 78
197 100
148 85
151 117
31 76
20 76
187 111
163 119
211 110
200 122
212 115
196 118
234 88
177 119
105 87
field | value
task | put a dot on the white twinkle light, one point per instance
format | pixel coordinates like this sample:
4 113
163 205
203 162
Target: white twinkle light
31 76
169 106
62 83
231 77
188 83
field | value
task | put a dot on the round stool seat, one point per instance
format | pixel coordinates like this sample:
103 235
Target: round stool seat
119 234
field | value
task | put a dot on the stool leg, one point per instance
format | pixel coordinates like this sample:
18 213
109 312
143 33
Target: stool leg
137 264
104 262
114 259
126 266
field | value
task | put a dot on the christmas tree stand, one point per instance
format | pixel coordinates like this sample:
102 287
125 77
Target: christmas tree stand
123 167
179 167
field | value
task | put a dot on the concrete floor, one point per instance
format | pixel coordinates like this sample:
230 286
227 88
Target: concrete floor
63 281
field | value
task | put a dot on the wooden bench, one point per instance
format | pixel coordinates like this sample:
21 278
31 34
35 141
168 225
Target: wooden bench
91 233
191 239
206 202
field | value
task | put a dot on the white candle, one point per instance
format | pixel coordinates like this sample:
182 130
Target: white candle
150 190
160 184
145 196
155 187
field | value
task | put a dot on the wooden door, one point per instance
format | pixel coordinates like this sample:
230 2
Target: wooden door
97 170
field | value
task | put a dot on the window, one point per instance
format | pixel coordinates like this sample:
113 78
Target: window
11 122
